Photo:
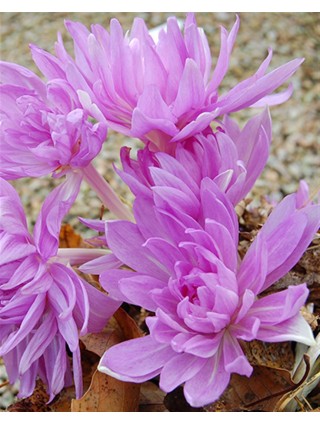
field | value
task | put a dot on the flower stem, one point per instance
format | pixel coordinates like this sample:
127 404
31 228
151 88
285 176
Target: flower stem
105 192
77 256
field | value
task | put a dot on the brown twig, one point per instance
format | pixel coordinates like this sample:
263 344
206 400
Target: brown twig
4 384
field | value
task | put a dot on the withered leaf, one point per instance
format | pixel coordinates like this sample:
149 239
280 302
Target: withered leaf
278 355
176 402
127 325
107 394
260 392
98 343
35 403
68 238
151 398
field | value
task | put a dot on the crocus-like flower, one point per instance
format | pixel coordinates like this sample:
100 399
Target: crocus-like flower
44 130
231 157
205 299
158 91
44 305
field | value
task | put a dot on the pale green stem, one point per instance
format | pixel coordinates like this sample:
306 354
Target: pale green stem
105 192
77 256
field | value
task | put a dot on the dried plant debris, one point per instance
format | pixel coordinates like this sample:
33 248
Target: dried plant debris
151 398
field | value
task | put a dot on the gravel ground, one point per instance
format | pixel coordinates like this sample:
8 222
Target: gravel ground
296 129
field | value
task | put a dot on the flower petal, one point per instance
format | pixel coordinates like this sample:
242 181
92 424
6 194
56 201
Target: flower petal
208 384
179 369
135 360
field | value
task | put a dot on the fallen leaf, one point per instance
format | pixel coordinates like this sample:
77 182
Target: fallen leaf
127 325
258 393
151 398
98 343
68 238
37 402
278 355
107 394
176 402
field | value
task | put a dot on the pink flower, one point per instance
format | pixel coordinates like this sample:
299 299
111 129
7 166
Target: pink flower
44 305
206 301
158 91
230 157
45 130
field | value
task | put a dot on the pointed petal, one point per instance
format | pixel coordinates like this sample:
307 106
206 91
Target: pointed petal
179 369
136 360
39 342
208 384
125 241
55 207
294 329
233 357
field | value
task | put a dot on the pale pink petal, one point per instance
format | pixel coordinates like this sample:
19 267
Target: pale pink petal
125 241
233 357
178 369
135 360
294 329
138 290
39 342
55 207
275 308
208 384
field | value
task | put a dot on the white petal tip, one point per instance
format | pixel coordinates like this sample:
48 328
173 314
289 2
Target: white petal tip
109 372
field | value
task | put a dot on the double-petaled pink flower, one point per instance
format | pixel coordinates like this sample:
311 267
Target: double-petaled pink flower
44 304
159 91
184 266
45 130
231 157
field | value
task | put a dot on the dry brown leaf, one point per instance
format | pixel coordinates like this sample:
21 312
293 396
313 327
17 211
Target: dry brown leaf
107 394
35 403
151 398
278 355
259 393
310 317
68 238
127 325
98 343
176 402
62 402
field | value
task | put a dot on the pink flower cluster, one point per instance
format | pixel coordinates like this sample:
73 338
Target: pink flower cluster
176 253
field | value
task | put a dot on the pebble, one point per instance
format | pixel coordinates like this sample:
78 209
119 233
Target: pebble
8 392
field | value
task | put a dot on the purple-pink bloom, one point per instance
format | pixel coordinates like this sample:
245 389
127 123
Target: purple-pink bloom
43 127
205 299
232 157
45 130
45 306
159 91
